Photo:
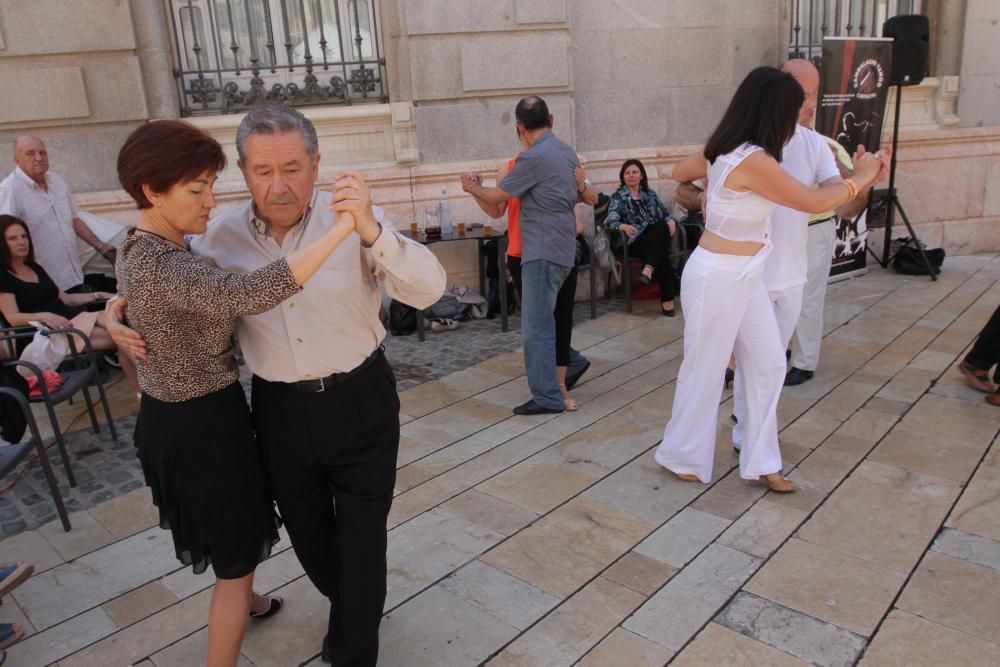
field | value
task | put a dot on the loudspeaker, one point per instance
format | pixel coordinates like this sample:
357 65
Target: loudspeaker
912 35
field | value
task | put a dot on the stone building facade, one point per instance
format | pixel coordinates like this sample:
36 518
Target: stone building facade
624 78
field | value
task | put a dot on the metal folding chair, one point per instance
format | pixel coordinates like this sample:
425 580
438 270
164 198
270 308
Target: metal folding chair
12 454
85 372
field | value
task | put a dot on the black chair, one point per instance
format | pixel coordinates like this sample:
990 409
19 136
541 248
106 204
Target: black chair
12 454
694 227
678 255
84 372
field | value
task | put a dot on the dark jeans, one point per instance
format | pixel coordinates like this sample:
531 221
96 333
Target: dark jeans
565 354
331 457
985 354
652 246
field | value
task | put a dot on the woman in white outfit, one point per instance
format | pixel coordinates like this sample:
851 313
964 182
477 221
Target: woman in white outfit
725 304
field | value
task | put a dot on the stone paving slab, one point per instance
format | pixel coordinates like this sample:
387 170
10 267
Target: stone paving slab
556 540
575 627
795 633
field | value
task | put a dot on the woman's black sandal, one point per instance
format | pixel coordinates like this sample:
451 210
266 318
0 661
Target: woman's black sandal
273 607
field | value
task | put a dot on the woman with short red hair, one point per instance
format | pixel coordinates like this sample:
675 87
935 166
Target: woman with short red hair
193 432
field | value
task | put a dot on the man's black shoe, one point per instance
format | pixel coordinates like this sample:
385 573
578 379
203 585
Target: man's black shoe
532 408
573 378
325 655
797 376
736 451
734 420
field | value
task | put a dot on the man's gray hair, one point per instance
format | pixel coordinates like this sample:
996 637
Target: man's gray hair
276 119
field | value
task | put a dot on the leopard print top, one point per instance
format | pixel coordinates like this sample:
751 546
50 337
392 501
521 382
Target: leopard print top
185 309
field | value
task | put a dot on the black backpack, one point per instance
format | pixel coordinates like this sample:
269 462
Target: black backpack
402 319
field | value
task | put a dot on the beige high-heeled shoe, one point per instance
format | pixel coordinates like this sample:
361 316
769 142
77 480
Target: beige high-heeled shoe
777 483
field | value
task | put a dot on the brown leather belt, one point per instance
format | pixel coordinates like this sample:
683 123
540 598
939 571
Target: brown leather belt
820 222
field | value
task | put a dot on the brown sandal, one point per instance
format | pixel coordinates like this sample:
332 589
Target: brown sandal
685 477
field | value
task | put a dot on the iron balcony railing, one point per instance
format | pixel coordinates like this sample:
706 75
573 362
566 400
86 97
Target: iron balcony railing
812 20
236 54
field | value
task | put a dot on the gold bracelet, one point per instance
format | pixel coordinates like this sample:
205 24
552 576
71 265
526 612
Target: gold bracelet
857 188
852 188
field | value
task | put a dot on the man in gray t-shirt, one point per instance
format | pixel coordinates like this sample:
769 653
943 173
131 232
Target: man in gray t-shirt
542 178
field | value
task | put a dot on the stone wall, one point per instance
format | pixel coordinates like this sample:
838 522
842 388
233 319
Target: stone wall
74 74
627 74
980 90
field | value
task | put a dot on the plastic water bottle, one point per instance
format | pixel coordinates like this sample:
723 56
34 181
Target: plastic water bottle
444 213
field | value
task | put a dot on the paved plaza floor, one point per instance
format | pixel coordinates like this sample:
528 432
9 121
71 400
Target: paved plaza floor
557 540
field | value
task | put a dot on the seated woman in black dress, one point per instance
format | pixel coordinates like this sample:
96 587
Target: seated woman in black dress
640 213
193 432
27 294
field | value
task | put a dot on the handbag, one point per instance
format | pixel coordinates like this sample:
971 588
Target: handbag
44 351
604 259
908 261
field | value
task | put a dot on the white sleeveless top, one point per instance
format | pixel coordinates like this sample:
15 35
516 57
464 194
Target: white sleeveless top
736 216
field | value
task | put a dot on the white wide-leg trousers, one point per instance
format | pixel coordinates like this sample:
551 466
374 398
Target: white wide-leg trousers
725 307
787 304
808 334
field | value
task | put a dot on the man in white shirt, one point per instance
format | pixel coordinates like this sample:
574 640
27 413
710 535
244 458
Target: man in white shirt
44 202
808 336
324 400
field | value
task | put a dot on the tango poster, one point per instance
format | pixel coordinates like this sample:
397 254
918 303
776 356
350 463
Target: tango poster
854 87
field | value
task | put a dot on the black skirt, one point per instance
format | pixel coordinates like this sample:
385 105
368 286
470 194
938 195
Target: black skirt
202 462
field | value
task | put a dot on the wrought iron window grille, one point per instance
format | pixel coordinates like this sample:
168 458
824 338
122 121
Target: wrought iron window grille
232 55
812 20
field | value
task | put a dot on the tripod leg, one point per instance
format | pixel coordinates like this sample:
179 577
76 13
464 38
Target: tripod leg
920 248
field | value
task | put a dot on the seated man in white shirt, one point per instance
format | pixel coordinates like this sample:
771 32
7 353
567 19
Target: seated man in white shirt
324 399
43 200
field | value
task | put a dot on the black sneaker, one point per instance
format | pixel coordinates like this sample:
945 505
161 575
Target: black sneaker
532 408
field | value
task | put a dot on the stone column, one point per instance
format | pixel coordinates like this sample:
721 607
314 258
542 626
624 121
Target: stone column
980 65
947 27
152 36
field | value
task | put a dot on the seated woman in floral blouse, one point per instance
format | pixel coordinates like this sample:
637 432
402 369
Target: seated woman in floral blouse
640 214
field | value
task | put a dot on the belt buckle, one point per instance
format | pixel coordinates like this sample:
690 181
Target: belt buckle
322 386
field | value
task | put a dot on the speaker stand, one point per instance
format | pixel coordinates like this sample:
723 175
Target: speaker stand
892 204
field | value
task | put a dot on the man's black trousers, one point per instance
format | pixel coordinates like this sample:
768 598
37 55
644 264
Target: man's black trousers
331 461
